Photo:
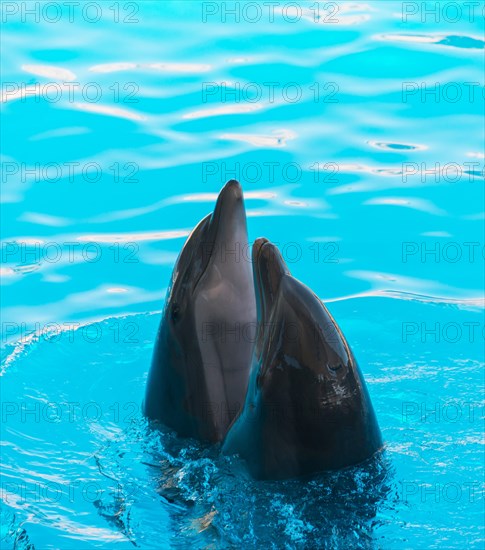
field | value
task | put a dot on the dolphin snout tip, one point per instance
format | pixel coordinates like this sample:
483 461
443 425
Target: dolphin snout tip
267 259
257 247
260 241
234 187
264 249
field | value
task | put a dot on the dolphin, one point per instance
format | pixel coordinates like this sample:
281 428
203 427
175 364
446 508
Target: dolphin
307 408
200 366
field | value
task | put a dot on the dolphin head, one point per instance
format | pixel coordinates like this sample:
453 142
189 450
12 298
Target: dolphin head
307 407
200 366
294 323
207 251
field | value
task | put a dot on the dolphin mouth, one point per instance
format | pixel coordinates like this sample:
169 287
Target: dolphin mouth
228 212
226 229
258 284
257 250
268 270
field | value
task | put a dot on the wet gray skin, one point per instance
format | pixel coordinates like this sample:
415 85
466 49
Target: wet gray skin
200 367
307 408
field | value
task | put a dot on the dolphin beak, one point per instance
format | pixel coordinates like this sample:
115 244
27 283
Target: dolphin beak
268 270
232 187
228 222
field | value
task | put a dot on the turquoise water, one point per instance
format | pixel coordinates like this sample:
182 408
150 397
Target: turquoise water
357 133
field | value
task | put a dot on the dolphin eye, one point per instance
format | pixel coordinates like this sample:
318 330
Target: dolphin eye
175 312
335 367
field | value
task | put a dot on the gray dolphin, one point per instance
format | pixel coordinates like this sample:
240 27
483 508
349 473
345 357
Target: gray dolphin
200 366
307 407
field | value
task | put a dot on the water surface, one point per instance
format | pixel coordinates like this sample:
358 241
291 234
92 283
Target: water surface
365 164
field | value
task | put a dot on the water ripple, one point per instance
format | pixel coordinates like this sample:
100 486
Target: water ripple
455 41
